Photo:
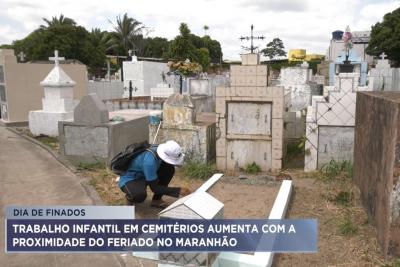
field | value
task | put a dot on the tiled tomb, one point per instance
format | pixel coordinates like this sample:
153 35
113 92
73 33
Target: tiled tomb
330 123
249 117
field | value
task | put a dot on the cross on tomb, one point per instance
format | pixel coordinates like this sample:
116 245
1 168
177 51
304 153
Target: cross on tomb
383 56
56 58
252 48
21 56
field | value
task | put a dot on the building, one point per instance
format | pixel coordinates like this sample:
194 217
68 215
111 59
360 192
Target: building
360 41
301 55
20 90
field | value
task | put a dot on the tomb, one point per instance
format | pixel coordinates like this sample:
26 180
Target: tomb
249 117
92 136
376 168
58 102
142 75
195 132
353 58
330 123
20 89
383 77
299 86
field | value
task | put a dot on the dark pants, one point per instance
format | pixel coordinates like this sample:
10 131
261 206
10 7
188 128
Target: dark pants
136 190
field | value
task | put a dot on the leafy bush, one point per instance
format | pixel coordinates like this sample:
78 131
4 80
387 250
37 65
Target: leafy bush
252 168
347 227
334 169
195 169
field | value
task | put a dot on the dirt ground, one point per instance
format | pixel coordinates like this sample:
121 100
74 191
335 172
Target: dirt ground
253 198
345 237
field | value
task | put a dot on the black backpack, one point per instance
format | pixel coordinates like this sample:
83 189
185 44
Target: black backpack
120 163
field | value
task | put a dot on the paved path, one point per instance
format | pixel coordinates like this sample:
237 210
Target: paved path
29 175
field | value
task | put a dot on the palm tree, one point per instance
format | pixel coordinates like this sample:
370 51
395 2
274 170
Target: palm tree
205 28
126 29
62 20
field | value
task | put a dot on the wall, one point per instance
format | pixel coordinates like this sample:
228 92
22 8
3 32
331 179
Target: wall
144 75
376 169
106 89
23 89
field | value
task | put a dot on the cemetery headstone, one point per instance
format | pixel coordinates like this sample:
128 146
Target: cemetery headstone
58 102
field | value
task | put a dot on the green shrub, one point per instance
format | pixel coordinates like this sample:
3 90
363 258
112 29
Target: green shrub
195 169
252 168
335 168
347 227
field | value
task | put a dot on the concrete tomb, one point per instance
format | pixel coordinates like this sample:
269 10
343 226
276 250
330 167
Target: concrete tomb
376 169
383 77
92 136
58 102
143 76
195 132
299 86
330 123
249 117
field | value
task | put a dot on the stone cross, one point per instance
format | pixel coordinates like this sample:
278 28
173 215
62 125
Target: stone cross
21 56
383 56
56 58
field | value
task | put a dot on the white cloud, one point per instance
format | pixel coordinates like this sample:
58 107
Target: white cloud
303 24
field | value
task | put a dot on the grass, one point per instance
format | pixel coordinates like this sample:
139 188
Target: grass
294 156
252 168
337 169
103 181
344 198
91 166
198 170
347 227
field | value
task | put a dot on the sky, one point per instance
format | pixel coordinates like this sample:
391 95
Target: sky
305 24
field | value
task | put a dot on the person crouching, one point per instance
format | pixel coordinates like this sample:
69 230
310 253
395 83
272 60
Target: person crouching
155 168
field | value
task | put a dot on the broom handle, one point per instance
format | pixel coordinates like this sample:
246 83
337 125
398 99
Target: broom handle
158 128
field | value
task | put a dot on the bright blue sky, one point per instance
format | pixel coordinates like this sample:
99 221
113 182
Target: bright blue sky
303 24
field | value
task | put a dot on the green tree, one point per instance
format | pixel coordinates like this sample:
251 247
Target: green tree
125 34
182 48
385 37
154 47
203 57
98 43
61 20
214 49
73 42
275 48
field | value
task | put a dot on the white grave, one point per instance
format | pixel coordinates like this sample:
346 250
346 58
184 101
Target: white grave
198 205
144 75
58 102
298 85
330 122
162 90
383 77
